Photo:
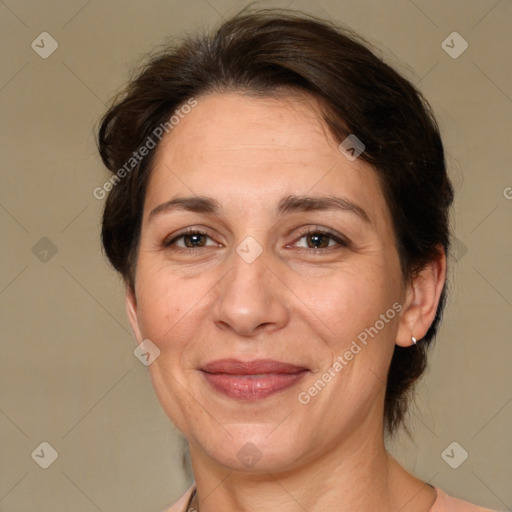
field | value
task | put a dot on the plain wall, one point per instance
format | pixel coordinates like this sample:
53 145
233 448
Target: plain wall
68 375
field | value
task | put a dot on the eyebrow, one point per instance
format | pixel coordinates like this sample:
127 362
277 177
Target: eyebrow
208 205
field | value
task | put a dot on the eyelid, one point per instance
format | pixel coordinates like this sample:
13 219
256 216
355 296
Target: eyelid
187 231
302 232
310 230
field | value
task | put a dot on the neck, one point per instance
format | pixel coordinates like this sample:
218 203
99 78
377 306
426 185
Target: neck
355 474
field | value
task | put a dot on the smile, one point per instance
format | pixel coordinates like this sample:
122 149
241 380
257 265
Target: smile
252 387
253 380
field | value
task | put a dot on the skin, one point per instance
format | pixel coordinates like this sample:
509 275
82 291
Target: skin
291 305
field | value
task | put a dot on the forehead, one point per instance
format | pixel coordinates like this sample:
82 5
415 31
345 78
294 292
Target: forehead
261 126
240 147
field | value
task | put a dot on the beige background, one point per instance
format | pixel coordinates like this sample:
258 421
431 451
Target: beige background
67 369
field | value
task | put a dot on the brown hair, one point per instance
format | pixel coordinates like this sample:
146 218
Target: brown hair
265 51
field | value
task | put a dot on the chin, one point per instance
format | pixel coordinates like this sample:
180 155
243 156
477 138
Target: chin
251 449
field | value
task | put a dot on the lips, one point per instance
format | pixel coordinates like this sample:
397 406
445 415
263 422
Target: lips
251 380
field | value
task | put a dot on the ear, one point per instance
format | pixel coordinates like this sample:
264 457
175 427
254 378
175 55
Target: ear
131 310
421 301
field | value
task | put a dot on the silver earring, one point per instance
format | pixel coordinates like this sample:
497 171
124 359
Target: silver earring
413 339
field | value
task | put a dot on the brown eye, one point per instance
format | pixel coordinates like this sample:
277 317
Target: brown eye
194 240
318 240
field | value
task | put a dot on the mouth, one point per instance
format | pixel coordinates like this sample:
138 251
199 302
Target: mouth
251 380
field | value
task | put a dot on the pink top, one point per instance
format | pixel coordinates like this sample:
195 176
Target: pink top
443 503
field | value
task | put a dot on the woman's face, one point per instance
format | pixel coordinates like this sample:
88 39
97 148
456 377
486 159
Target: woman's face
248 284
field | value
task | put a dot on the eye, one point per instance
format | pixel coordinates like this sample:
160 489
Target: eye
316 239
189 240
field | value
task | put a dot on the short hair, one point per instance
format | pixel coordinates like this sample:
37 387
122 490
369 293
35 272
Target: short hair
265 52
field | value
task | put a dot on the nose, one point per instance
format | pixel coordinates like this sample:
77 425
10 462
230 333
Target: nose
251 299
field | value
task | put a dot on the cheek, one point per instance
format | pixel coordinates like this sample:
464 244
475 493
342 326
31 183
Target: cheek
162 304
347 303
173 312
165 313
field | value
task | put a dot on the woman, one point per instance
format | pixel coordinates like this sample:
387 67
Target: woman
279 212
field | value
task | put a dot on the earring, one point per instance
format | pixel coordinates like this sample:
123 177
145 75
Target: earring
414 340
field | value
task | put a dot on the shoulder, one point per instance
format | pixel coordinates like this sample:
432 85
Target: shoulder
181 504
446 503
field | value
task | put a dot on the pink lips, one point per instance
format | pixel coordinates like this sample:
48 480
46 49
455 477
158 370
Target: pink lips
251 380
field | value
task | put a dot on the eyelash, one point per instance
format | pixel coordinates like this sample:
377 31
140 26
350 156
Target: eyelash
324 232
316 231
